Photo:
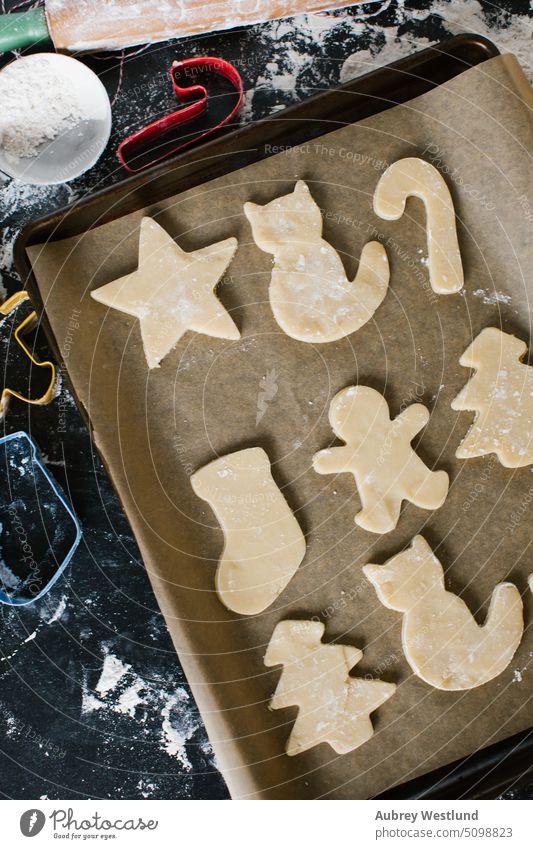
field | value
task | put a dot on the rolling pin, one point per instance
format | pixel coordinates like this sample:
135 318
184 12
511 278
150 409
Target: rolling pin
84 25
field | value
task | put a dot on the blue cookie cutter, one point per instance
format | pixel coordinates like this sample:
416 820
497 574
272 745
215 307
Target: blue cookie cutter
39 531
22 526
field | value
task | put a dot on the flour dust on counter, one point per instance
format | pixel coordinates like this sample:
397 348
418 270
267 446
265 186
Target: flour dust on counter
406 30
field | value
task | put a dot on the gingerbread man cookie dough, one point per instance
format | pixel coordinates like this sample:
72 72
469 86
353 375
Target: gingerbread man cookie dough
379 455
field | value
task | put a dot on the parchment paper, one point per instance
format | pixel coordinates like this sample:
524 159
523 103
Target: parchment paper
154 429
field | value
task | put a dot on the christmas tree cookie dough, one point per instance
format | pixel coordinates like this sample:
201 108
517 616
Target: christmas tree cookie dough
501 393
263 542
310 295
172 291
441 640
333 707
379 455
414 177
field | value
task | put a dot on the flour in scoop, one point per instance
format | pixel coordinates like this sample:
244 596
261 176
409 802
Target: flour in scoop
38 104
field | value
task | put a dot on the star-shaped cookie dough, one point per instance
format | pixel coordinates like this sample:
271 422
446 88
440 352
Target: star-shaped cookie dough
172 291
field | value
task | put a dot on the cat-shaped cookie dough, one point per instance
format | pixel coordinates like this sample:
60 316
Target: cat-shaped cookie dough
442 642
379 455
310 294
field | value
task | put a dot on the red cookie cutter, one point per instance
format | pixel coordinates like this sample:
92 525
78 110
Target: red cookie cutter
193 94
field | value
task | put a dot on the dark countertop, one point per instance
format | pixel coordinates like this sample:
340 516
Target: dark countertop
93 702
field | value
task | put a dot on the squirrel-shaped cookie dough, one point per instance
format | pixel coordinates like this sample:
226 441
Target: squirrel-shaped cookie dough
501 393
378 453
310 294
334 708
441 640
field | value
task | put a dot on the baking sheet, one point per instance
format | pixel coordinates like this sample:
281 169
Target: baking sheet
154 429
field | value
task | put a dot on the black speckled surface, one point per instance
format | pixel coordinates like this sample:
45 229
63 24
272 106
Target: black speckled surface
93 702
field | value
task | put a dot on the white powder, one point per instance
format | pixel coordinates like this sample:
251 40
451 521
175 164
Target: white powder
178 727
511 32
492 297
112 672
38 105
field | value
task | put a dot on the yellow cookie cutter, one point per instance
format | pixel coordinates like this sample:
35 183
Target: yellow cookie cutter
24 327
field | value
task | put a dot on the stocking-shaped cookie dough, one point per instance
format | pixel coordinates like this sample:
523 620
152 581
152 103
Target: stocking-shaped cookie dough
415 177
501 393
441 640
333 707
172 291
378 453
263 542
310 295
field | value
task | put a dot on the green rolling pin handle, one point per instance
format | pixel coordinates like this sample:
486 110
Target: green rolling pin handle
23 29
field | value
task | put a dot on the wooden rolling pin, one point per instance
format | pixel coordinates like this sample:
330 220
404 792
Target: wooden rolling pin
83 25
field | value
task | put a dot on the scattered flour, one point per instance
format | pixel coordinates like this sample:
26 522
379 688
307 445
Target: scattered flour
385 49
58 612
130 698
112 672
512 33
178 727
120 690
492 297
297 44
146 788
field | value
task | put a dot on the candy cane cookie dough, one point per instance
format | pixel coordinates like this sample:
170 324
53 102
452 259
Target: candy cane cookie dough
414 177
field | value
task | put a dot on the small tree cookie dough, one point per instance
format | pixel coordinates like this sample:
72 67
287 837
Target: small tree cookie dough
333 707
501 393
414 177
172 291
310 295
263 542
379 455
441 640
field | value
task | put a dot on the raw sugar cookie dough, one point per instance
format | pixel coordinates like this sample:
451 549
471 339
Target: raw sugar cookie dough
379 455
172 291
310 294
501 393
442 642
264 544
333 707
417 178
